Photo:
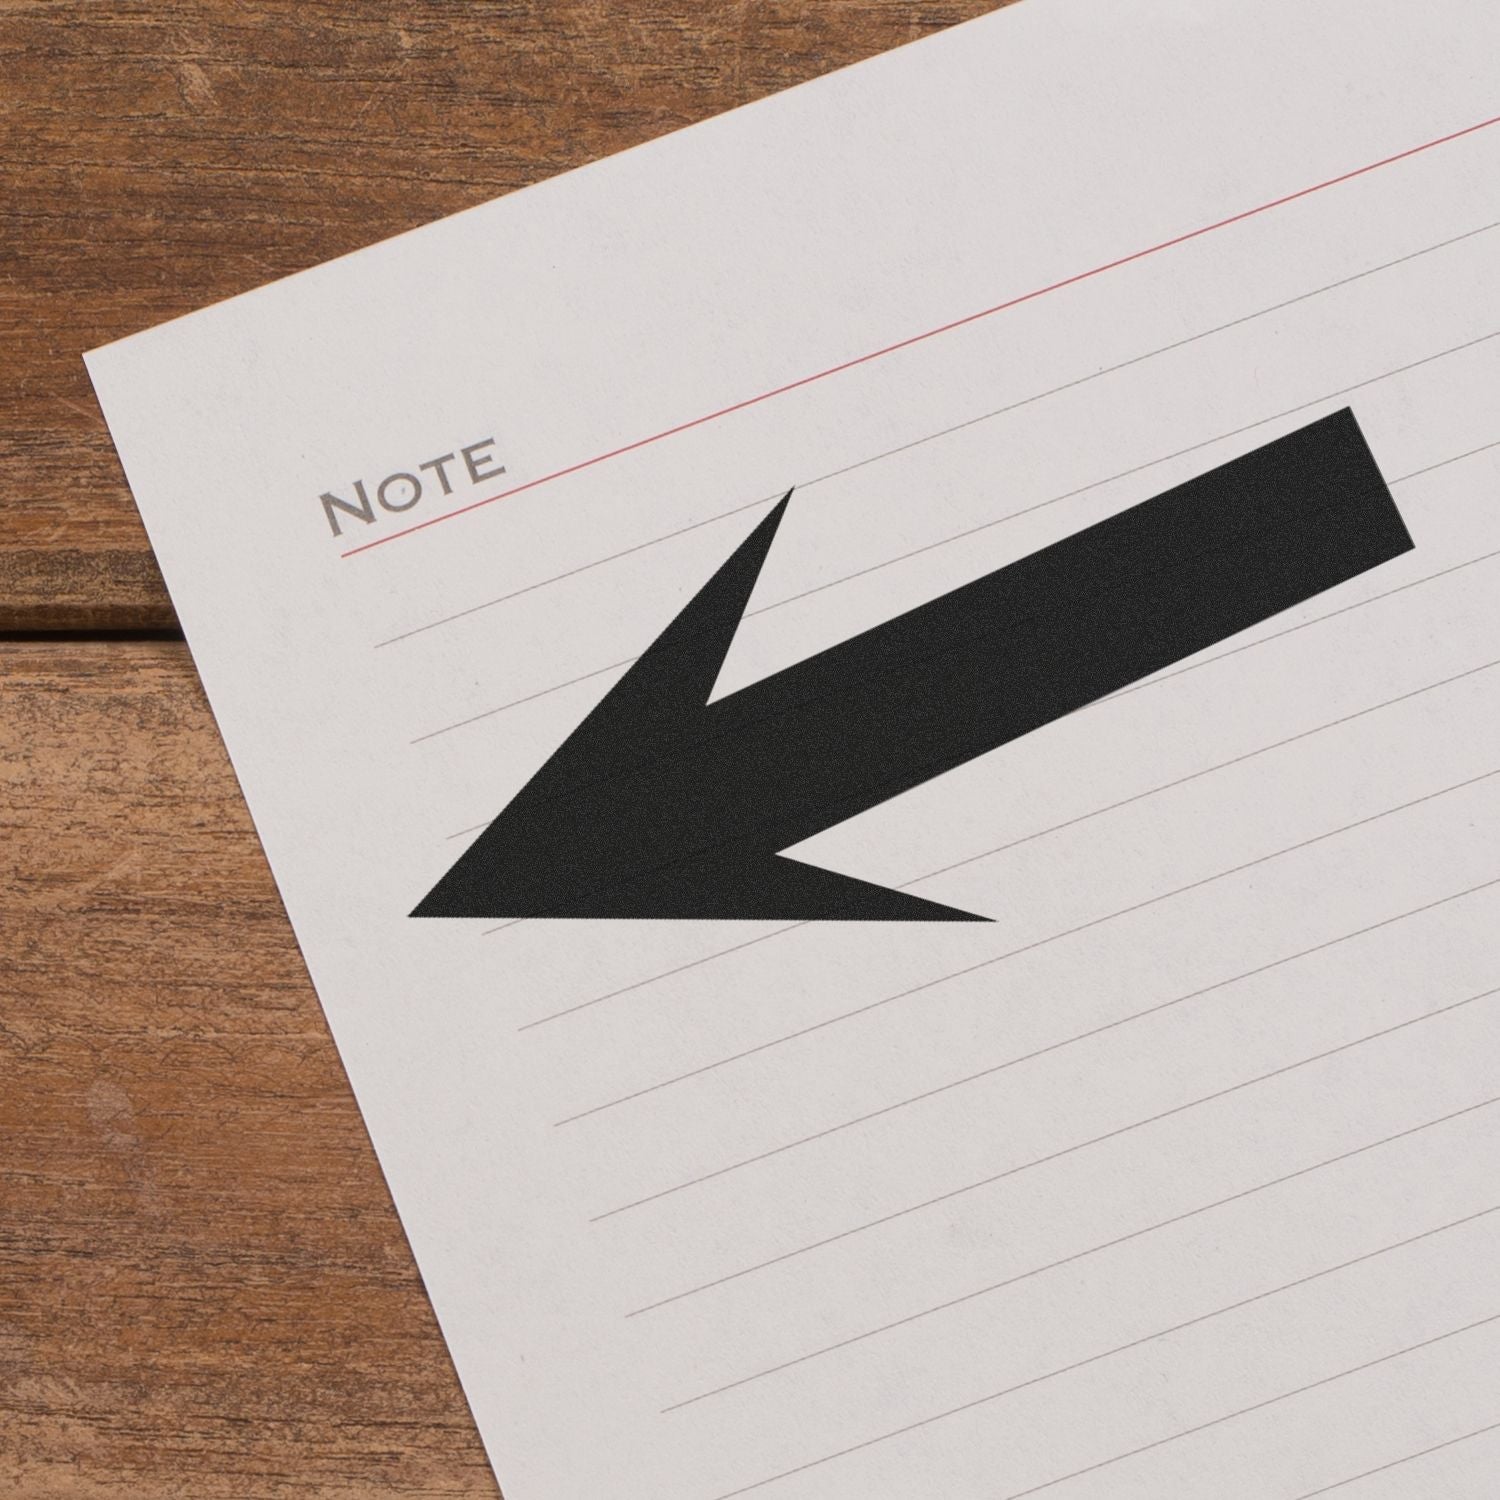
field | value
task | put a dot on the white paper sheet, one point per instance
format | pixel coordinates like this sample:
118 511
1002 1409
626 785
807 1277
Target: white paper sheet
1177 1177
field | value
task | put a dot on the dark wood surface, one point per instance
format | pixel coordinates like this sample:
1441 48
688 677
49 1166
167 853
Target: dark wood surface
204 1290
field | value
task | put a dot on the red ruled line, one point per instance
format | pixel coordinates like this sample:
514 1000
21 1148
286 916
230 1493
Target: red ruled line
931 333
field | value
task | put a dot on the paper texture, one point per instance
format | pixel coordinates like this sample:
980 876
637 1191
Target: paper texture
1175 1176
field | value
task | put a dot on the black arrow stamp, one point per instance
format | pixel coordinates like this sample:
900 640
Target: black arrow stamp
661 804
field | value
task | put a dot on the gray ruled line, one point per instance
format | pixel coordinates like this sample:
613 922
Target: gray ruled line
1396 1463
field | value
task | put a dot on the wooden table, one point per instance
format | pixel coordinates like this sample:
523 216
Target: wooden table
204 1291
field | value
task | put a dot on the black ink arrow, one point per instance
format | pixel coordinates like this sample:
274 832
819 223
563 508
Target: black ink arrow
661 804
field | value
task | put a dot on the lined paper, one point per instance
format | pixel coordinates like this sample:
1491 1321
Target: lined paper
1173 1177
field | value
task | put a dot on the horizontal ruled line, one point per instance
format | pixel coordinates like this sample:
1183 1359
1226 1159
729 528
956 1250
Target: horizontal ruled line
1396 1463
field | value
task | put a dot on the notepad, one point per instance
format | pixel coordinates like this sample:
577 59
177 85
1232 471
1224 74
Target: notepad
878 723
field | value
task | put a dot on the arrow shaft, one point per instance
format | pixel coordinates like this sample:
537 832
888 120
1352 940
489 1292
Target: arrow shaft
1013 651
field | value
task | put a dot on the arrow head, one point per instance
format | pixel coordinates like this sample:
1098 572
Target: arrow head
635 815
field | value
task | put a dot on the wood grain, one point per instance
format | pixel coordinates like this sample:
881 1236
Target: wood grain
162 154
204 1291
